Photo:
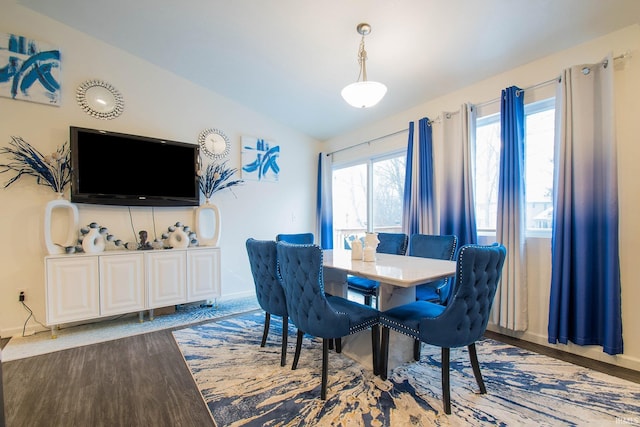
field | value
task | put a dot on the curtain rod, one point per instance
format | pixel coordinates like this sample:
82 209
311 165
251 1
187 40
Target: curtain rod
547 82
368 142
447 115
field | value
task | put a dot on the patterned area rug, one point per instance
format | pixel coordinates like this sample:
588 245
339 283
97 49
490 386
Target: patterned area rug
120 327
244 385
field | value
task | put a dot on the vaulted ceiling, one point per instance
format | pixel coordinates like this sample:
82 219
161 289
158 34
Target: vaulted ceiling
289 59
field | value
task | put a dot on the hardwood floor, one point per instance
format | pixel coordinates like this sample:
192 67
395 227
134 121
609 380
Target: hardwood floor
140 380
136 381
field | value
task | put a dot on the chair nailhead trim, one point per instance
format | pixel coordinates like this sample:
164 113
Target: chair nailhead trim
399 327
363 326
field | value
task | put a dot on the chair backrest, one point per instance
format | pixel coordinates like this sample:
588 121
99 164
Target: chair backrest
263 260
392 243
433 246
439 247
298 238
301 277
464 320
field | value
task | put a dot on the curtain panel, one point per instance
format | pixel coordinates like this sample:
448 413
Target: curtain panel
457 201
510 304
418 213
585 300
324 204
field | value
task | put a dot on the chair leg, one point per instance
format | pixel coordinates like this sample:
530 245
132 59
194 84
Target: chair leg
375 348
416 350
267 319
446 396
325 363
473 357
384 353
285 337
367 300
331 344
296 356
338 342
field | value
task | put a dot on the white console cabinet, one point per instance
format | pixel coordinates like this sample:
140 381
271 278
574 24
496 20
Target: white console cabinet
89 286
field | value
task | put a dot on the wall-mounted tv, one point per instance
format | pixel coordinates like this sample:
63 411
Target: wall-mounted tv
111 168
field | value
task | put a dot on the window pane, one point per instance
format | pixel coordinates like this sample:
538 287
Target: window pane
388 191
487 169
368 197
539 166
349 202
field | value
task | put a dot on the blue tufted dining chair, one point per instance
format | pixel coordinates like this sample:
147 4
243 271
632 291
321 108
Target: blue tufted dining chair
458 324
298 238
313 312
389 243
439 247
263 259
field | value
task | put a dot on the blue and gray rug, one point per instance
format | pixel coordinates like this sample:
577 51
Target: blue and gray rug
244 385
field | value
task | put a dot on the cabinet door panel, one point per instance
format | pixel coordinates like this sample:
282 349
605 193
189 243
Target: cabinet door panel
203 274
121 284
72 290
166 278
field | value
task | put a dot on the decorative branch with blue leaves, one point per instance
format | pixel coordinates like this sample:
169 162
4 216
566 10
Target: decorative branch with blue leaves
217 177
53 170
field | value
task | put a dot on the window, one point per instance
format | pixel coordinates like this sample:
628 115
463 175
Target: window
539 143
367 196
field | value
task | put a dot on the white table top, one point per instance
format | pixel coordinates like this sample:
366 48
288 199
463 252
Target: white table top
398 270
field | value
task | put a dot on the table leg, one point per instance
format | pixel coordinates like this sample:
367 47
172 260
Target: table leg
358 346
400 346
335 282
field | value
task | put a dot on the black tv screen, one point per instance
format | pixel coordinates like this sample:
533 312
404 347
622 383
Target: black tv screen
111 168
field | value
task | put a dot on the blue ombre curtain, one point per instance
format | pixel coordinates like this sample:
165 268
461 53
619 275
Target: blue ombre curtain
585 301
457 201
418 203
510 304
324 206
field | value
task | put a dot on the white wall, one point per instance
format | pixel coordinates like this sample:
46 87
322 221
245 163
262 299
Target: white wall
627 87
157 104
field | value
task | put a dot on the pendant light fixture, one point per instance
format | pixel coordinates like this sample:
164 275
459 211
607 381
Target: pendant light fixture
363 93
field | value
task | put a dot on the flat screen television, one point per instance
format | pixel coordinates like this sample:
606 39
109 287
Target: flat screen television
110 168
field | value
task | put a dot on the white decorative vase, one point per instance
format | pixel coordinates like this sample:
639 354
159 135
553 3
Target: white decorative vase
356 249
65 217
370 246
207 219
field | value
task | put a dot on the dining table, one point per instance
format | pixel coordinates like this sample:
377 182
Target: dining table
398 276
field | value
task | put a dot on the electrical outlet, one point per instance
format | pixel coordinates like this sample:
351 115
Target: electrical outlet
22 294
